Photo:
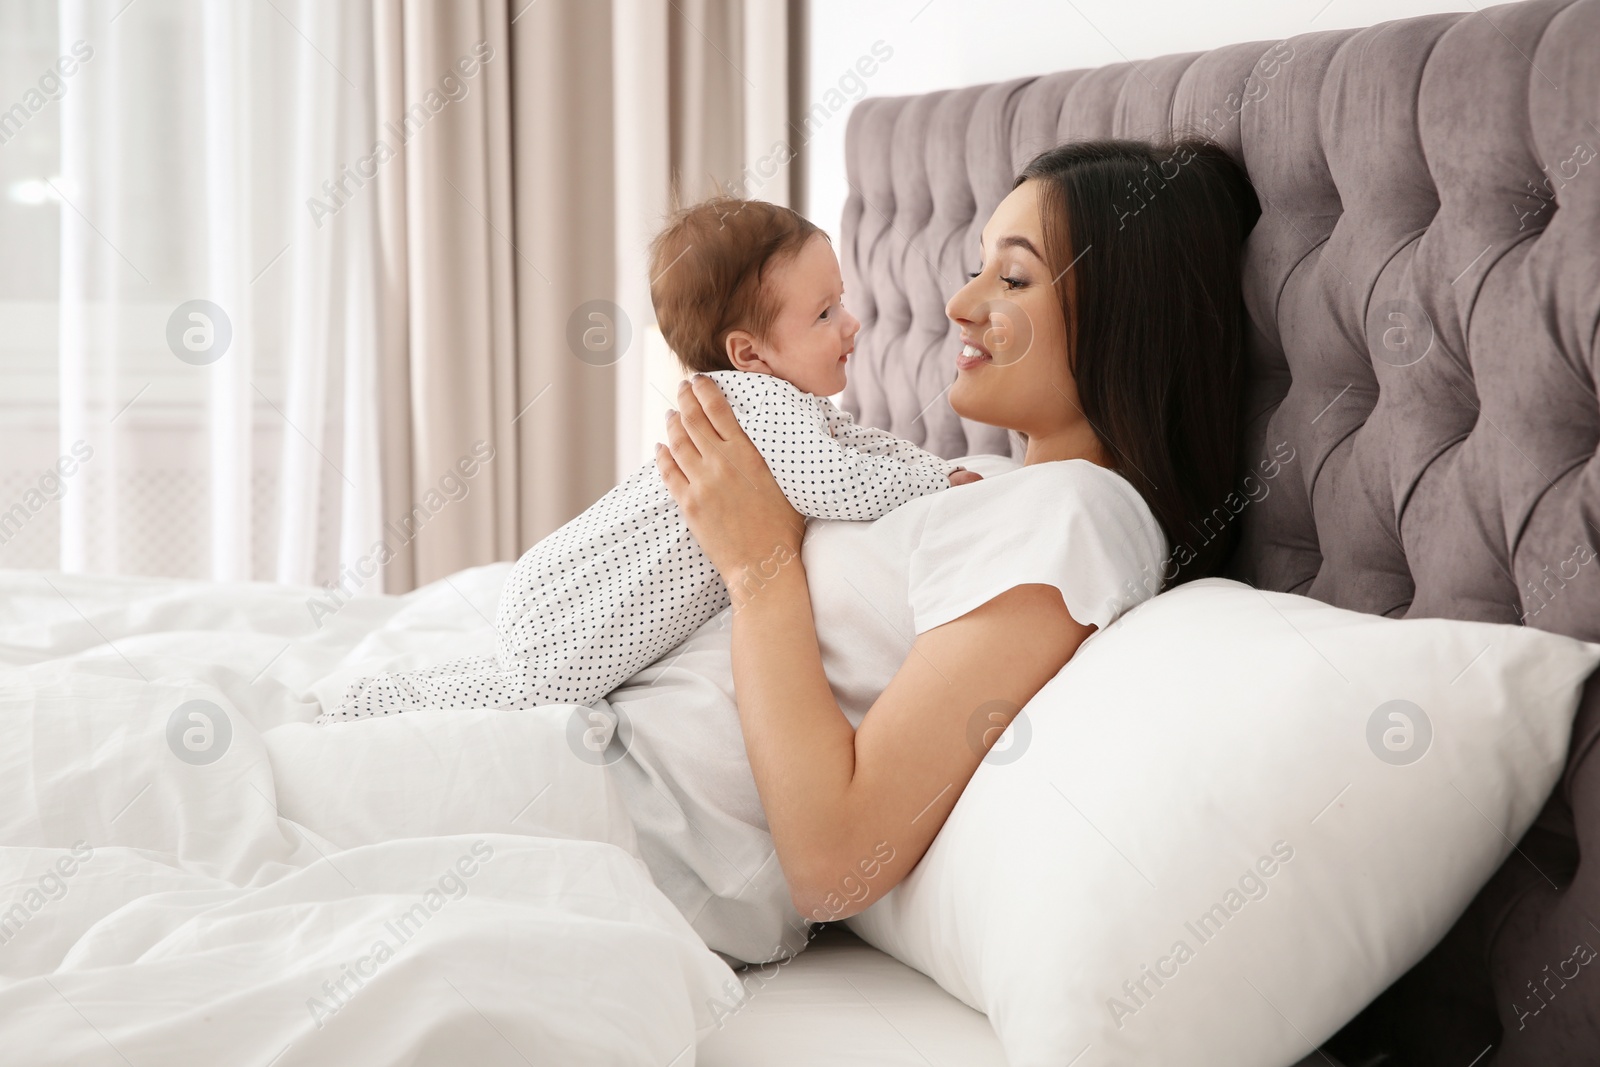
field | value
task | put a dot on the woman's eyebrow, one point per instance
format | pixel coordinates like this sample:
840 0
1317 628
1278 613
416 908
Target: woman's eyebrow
1016 241
1012 241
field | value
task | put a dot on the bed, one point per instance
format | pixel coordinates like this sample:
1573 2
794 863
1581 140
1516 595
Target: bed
1394 166
254 924
238 915
1428 190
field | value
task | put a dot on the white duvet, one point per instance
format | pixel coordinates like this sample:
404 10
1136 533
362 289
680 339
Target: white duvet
190 873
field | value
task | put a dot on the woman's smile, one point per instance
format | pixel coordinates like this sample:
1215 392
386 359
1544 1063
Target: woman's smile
972 354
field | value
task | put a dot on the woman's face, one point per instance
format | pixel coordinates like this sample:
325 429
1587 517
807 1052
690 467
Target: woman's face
1013 367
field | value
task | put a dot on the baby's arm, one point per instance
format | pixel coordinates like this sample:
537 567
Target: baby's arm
852 472
882 443
877 442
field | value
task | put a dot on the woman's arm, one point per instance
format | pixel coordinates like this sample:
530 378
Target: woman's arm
851 811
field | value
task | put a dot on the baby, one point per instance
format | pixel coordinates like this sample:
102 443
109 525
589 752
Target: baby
748 293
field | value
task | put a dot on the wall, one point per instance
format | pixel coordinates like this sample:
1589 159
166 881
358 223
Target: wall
944 44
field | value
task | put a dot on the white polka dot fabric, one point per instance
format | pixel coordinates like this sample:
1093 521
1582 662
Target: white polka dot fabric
625 582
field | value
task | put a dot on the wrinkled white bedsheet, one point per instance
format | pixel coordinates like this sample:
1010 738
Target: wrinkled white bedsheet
221 882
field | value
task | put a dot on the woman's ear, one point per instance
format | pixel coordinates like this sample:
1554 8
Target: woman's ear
742 353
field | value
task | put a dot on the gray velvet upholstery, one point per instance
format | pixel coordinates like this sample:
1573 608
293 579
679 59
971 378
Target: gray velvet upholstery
1423 289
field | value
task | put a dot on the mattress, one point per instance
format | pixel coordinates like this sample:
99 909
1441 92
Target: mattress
843 1002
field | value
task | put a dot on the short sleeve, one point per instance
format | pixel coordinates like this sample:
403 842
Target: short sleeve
1067 523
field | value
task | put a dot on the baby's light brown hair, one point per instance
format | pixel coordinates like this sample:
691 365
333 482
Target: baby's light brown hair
707 274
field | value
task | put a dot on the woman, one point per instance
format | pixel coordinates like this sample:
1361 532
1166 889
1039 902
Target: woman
1121 366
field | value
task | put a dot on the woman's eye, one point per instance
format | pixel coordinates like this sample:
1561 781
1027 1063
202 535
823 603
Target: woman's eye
1013 283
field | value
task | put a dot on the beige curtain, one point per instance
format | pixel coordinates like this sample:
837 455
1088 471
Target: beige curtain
538 143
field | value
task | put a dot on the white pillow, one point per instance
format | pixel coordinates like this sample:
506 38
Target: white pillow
1228 771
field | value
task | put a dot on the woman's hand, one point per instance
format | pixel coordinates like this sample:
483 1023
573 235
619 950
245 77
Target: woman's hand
724 488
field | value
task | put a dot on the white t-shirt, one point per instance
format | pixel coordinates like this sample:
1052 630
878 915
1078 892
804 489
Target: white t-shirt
1067 523
874 587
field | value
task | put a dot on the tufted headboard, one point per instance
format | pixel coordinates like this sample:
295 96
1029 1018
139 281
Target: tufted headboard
1423 290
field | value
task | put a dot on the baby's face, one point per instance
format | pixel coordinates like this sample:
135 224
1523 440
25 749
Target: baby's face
813 334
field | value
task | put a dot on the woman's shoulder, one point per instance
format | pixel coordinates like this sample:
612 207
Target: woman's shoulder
1041 488
1069 523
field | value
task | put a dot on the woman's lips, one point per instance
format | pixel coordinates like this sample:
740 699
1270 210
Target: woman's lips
972 355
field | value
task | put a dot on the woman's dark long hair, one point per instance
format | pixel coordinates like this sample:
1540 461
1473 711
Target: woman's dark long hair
1154 234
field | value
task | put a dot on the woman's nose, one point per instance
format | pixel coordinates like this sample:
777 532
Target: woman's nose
957 309
970 304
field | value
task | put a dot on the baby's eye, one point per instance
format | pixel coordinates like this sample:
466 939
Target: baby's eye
824 316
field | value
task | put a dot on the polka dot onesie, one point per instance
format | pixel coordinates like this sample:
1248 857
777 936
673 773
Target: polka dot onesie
625 582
